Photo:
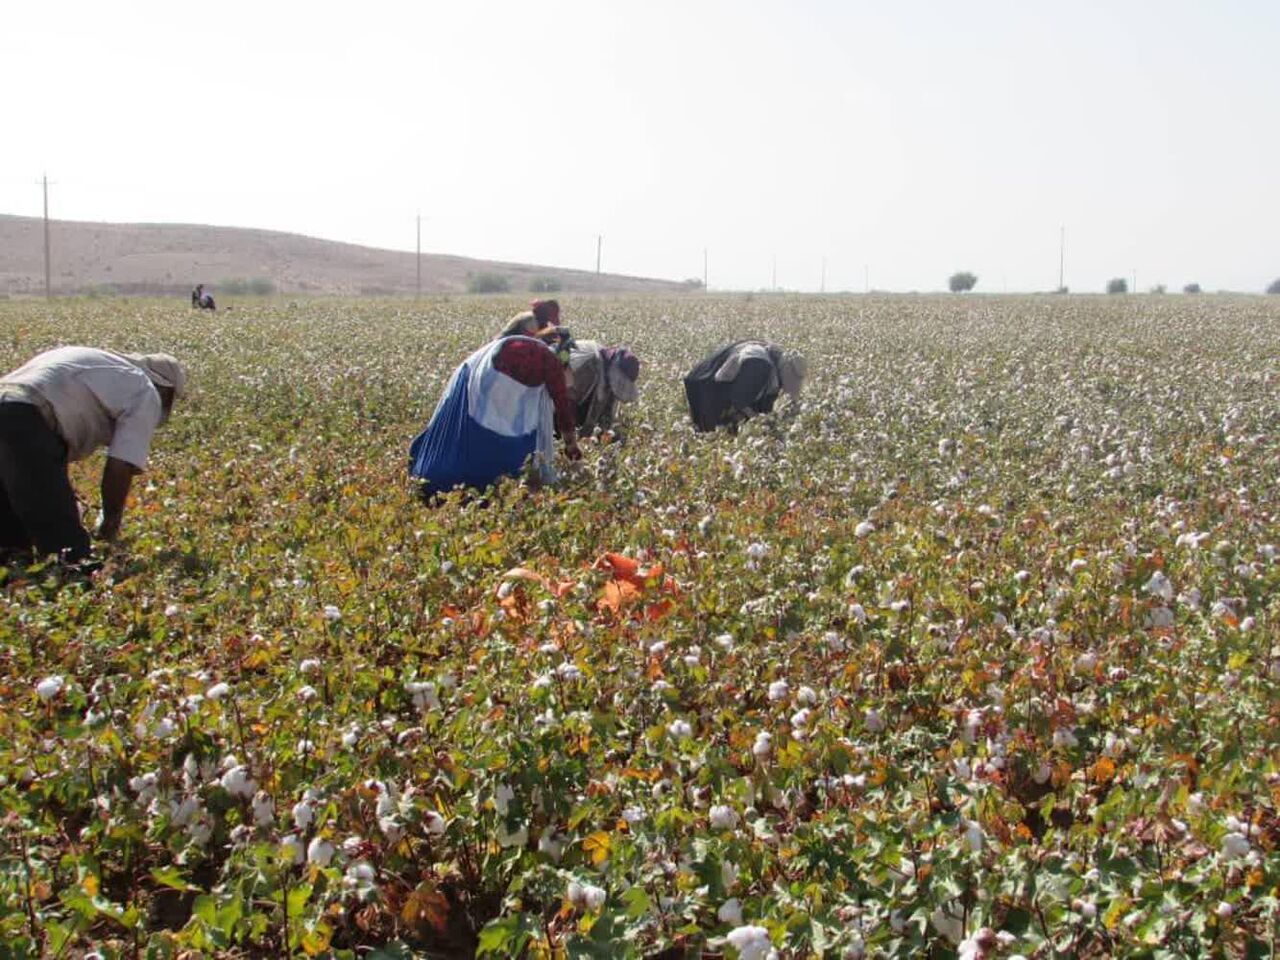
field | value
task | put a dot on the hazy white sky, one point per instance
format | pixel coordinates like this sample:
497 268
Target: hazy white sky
913 138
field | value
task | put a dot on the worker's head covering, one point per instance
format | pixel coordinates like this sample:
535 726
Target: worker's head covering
792 372
163 369
622 370
547 311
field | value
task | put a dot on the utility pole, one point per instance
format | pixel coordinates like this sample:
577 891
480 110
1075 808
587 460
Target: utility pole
822 286
1062 256
418 259
1135 279
704 269
599 241
48 286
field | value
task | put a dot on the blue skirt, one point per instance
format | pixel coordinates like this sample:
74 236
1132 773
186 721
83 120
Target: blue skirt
456 451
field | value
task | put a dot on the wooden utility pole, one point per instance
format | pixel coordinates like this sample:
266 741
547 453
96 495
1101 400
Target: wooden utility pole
48 284
704 270
418 258
1062 256
599 241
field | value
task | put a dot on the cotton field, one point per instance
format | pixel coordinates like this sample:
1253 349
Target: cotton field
974 653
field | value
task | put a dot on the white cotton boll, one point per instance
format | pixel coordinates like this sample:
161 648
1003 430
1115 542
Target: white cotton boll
873 721
217 691
303 814
1086 908
800 718
1022 576
730 911
332 613
391 828
319 852
307 693
763 745
864 529
351 737
49 687
778 690
164 728
704 525
1160 586
351 846
752 943
806 696
183 813
568 672
238 783
593 897
657 649
1224 910
858 613
1063 737
833 641
434 823
360 873
1086 662
1042 773
722 817
424 695
757 551
309 666
264 813
724 641
1235 845
960 767
680 729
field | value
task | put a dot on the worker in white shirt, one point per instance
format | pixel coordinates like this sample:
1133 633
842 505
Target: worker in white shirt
60 407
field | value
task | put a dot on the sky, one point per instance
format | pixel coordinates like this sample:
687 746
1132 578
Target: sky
809 144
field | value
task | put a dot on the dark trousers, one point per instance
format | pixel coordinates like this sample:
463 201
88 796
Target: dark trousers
37 504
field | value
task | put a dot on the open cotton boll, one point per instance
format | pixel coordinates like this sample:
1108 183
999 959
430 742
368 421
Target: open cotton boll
49 687
751 942
238 783
319 852
730 911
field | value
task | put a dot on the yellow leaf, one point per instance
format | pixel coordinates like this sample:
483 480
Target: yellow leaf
1104 770
597 845
316 940
90 884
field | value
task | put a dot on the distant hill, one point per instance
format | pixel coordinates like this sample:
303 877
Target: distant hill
169 259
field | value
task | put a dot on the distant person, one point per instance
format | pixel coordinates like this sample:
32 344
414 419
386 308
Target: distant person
200 299
60 407
600 378
500 412
740 380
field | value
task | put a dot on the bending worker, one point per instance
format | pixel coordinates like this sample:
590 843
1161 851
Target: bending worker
600 378
59 407
739 380
500 410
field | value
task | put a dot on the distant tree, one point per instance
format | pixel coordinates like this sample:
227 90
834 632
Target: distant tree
545 285
1159 288
962 282
1275 286
1191 288
1063 290
488 283
692 283
1117 285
